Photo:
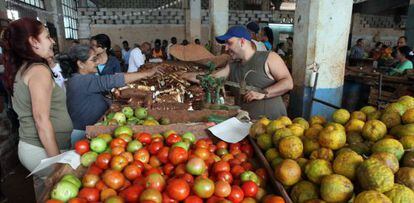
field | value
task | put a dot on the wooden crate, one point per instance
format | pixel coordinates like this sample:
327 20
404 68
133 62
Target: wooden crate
199 129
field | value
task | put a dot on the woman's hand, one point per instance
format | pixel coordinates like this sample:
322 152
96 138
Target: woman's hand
156 70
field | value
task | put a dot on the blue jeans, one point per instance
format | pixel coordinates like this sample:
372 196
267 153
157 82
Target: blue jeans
76 136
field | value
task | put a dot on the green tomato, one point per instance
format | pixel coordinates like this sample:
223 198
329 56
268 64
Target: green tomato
249 175
134 145
128 111
72 179
189 136
88 158
64 191
98 145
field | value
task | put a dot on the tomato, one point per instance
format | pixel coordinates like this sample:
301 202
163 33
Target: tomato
221 166
53 201
90 180
114 199
107 193
150 195
234 162
167 199
118 142
227 157
180 169
82 146
100 185
139 164
142 155
241 156
128 155
144 138
201 144
102 161
234 146
132 171
152 170
155 181
113 179
90 194
273 199
250 188
127 183
178 189
187 177
77 200
222 145
193 199
140 181
248 149
202 153
118 163
117 151
261 172
167 169
224 176
132 193
154 162
154 147
247 166
125 137
215 199
172 139
177 155
162 154
222 188
93 169
237 170
203 187
236 194
212 148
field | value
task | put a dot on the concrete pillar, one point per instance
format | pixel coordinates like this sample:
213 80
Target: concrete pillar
320 36
219 21
193 20
409 30
3 10
83 4
56 7
265 5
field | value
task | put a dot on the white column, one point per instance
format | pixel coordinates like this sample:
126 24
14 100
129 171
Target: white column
320 36
219 21
3 10
193 20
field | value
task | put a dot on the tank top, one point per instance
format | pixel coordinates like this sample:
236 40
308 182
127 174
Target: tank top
257 77
59 116
157 54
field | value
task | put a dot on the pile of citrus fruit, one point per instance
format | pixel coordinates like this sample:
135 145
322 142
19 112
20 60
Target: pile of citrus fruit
361 156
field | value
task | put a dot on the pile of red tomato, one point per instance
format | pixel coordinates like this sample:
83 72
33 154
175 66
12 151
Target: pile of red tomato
172 168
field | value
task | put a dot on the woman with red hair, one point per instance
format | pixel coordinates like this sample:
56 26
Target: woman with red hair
45 125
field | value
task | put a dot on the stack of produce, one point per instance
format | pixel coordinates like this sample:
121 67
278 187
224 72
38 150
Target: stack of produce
163 92
166 167
129 116
363 156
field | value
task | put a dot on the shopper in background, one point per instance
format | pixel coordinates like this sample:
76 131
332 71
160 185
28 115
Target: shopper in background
173 42
267 38
357 51
86 104
405 56
197 41
280 49
254 29
164 46
376 52
57 72
107 63
40 104
136 59
157 52
184 43
126 51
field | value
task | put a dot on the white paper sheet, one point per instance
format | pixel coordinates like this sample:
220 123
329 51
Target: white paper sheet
70 157
231 130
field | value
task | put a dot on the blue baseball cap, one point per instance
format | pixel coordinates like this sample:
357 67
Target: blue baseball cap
235 31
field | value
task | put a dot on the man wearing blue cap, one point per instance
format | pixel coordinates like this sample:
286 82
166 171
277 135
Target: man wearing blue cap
263 70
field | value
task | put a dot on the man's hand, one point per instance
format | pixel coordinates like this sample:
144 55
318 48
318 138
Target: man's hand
153 71
252 95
